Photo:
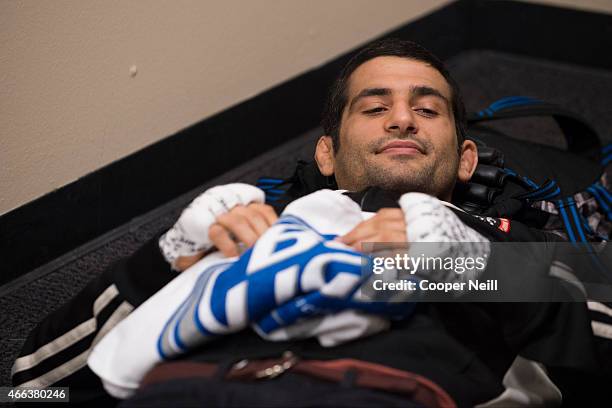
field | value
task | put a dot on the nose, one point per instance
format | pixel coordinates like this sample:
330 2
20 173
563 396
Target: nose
401 119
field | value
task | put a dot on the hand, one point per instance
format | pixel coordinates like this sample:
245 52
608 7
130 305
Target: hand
188 239
388 225
242 224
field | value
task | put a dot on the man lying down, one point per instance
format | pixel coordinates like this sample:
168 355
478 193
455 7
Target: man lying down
235 305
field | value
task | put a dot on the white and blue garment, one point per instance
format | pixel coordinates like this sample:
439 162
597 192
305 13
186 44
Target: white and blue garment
296 282
292 273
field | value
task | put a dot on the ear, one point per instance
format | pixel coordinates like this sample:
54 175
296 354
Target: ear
324 155
468 161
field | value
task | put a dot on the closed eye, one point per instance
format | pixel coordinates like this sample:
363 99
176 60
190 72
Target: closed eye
427 112
375 110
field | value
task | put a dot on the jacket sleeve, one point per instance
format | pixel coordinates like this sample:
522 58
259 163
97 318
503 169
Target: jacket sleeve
55 352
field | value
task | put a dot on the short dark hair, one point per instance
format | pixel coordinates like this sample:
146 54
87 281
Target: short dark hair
337 97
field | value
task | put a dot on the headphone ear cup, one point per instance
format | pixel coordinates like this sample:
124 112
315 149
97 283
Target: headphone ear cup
490 156
474 197
492 176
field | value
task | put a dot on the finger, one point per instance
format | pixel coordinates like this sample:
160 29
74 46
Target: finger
377 230
239 226
384 218
362 230
391 225
267 211
183 262
220 237
377 223
256 221
386 236
390 213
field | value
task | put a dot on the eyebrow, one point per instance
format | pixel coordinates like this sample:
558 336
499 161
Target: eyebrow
423 90
369 92
418 90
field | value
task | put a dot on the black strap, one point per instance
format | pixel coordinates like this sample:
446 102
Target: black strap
581 137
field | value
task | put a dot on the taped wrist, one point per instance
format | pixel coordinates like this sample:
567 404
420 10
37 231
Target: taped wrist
189 235
429 221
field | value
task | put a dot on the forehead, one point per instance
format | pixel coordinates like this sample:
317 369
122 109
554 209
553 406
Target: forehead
396 73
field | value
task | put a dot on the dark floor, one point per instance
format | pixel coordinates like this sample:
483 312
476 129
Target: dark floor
483 76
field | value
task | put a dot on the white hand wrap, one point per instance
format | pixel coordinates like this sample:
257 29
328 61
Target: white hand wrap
428 220
190 233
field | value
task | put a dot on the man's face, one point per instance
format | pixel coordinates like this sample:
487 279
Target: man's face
397 130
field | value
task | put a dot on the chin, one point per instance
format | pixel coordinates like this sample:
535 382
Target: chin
405 185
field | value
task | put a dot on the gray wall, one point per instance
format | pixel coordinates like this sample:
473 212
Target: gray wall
84 83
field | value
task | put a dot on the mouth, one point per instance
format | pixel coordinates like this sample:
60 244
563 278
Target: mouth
406 147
